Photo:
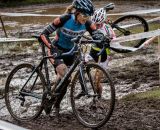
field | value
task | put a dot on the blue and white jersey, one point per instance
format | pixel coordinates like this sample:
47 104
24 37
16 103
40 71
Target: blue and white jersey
69 30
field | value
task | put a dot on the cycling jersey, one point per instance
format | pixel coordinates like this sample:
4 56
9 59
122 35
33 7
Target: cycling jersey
107 30
67 28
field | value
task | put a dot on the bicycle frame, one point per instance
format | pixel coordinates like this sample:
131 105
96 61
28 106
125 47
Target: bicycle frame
79 61
124 31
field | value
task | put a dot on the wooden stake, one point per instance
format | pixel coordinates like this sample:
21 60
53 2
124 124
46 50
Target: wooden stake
3 27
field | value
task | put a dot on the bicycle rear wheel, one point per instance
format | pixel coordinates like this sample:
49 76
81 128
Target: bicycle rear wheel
94 109
24 104
128 25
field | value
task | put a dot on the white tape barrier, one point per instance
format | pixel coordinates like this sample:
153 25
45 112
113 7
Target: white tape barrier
138 12
4 40
132 49
114 43
152 35
27 14
137 36
8 126
54 15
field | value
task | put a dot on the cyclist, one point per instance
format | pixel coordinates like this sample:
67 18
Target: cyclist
99 18
74 22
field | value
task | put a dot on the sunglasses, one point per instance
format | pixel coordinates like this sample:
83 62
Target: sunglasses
85 16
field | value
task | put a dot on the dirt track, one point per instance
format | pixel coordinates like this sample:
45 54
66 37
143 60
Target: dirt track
132 73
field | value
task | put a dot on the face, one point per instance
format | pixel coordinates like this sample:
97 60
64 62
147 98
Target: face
81 18
99 25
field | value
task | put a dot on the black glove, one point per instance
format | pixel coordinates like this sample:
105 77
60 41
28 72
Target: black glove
97 35
106 40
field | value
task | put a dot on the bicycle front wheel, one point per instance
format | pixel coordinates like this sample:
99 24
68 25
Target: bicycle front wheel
128 25
94 108
23 95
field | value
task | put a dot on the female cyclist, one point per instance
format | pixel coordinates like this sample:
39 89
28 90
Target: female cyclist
99 18
74 22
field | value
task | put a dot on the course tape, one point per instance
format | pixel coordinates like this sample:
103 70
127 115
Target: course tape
116 43
56 15
137 36
119 39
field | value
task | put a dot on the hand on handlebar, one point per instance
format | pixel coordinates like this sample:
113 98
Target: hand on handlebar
76 39
105 44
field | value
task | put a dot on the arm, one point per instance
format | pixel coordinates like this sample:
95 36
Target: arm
57 23
91 28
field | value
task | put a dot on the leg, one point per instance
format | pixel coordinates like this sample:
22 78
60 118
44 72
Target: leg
61 70
98 87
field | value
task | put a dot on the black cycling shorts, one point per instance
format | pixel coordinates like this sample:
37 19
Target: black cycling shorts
68 61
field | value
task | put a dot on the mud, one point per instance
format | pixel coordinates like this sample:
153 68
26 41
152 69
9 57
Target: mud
131 73
26 26
130 115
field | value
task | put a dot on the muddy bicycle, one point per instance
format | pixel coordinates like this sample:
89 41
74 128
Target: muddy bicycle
28 89
127 25
124 26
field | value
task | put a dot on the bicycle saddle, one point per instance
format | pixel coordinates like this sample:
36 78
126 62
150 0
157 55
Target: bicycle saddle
109 6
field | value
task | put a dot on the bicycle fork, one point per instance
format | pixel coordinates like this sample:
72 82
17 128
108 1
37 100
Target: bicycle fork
83 81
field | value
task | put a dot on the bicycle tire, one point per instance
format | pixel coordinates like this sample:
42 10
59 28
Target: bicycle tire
21 107
2 94
80 105
132 21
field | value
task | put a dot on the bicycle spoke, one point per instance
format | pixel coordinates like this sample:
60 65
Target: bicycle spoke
93 110
130 24
23 94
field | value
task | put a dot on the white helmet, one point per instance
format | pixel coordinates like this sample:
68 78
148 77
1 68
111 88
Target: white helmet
99 16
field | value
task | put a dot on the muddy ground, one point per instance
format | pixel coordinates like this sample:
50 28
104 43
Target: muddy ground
26 26
131 73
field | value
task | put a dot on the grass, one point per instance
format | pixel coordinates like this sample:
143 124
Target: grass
154 26
151 94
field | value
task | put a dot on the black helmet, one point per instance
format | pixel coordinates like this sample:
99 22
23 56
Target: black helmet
84 6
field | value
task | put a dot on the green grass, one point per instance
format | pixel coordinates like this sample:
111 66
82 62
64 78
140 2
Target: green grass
151 94
154 26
